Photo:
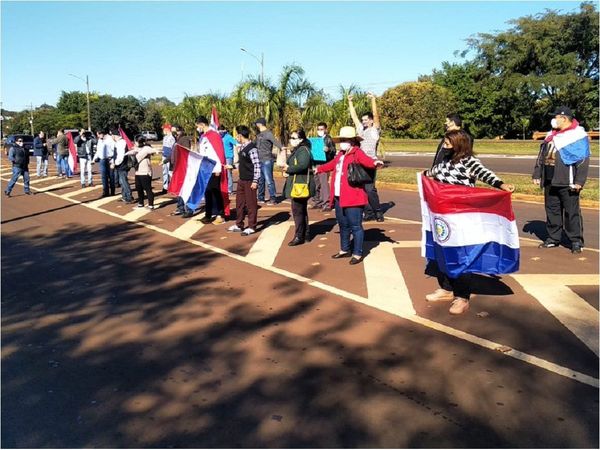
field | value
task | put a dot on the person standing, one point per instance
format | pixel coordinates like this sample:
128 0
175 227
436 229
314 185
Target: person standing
19 157
62 152
185 141
299 170
104 156
120 164
167 151
369 129
453 122
40 151
85 154
143 174
264 143
321 197
211 146
246 202
229 144
561 169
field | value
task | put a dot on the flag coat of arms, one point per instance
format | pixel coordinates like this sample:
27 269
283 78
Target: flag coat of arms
190 176
468 230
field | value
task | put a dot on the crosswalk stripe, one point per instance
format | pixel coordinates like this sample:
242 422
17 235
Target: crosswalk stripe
570 309
81 191
188 229
385 283
265 249
138 213
96 203
57 186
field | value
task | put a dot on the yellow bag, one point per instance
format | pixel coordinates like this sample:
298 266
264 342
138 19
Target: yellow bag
300 190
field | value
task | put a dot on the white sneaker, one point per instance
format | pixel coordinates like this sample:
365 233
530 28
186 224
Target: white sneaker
234 228
138 206
248 231
151 207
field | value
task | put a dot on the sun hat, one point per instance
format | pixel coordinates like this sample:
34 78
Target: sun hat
347 134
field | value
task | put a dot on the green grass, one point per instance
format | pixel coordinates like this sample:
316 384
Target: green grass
523 184
482 146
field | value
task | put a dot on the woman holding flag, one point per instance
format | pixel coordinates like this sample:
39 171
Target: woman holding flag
453 264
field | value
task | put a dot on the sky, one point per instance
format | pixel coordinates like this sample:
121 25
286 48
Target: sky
157 48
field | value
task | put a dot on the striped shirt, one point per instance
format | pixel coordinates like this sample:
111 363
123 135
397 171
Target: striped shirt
464 172
370 140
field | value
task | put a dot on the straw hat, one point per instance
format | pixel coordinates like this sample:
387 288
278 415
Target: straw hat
347 134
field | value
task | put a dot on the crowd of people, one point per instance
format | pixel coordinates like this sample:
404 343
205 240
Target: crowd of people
343 180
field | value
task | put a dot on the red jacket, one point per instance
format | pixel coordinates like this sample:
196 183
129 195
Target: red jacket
349 196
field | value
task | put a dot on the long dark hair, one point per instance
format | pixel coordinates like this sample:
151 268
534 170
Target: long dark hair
462 145
303 139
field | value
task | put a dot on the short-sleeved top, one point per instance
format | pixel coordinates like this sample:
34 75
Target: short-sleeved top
370 141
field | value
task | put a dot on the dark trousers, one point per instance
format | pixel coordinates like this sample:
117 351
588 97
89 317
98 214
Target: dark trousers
108 177
300 214
246 203
373 208
143 183
213 197
559 202
461 286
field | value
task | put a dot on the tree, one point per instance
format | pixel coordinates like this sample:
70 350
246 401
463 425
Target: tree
415 109
72 102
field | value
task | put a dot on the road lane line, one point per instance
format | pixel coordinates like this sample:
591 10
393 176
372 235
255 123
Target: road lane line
138 213
267 246
385 283
188 229
570 309
81 191
94 204
527 358
57 186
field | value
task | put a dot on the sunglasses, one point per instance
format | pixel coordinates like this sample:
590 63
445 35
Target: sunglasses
19 140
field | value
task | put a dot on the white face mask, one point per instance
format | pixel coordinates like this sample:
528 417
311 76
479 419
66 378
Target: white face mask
554 123
294 142
345 146
321 133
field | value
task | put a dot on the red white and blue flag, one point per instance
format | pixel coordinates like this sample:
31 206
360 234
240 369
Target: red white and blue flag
190 176
126 139
214 119
467 229
573 144
72 160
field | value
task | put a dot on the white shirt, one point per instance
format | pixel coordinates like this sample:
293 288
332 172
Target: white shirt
120 149
337 182
105 148
205 148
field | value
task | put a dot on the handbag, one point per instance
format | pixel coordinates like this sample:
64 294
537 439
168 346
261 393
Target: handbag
357 175
301 190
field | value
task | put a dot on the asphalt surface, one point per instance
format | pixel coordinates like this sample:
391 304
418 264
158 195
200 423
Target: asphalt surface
502 164
125 328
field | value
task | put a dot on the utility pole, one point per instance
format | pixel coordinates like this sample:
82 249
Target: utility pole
1 122
31 117
87 89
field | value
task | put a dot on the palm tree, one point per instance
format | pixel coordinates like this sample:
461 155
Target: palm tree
275 99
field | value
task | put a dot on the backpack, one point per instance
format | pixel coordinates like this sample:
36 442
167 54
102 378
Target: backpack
129 162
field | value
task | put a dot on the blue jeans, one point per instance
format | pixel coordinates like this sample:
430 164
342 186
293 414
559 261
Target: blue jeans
16 173
63 165
229 162
266 169
350 222
108 177
166 176
124 182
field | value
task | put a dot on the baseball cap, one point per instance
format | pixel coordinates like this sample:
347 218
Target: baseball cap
562 111
261 120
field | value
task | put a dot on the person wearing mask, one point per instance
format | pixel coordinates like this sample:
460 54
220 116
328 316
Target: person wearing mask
298 168
19 156
349 201
62 154
561 169
246 203
86 144
321 198
453 122
143 174
229 144
40 151
185 141
264 143
167 151
104 156
120 165
369 129
462 168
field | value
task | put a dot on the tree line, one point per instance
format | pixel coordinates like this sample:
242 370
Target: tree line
505 85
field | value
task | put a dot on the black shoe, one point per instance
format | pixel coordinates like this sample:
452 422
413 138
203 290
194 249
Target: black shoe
341 255
295 242
368 218
28 193
354 260
379 217
548 244
576 247
82 185
7 193
187 215
206 220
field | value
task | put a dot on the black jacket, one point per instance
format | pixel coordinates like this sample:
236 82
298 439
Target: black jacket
562 172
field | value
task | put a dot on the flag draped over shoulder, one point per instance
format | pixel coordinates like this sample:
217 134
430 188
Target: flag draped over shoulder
126 139
190 176
73 164
573 145
467 229
215 140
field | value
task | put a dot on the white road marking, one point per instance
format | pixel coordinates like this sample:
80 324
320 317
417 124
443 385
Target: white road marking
81 191
570 309
57 186
94 204
188 229
269 242
386 287
138 213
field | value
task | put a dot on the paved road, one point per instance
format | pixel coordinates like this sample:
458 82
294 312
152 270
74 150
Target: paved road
503 164
133 328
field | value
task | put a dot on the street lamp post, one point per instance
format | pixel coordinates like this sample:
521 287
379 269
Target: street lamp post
261 61
87 87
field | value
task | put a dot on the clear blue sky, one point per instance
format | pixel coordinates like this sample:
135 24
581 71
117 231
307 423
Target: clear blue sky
153 49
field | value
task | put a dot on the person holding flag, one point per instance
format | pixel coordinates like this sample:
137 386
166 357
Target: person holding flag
561 170
465 230
120 165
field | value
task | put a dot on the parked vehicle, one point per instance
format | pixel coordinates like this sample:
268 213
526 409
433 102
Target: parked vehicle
27 142
150 135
